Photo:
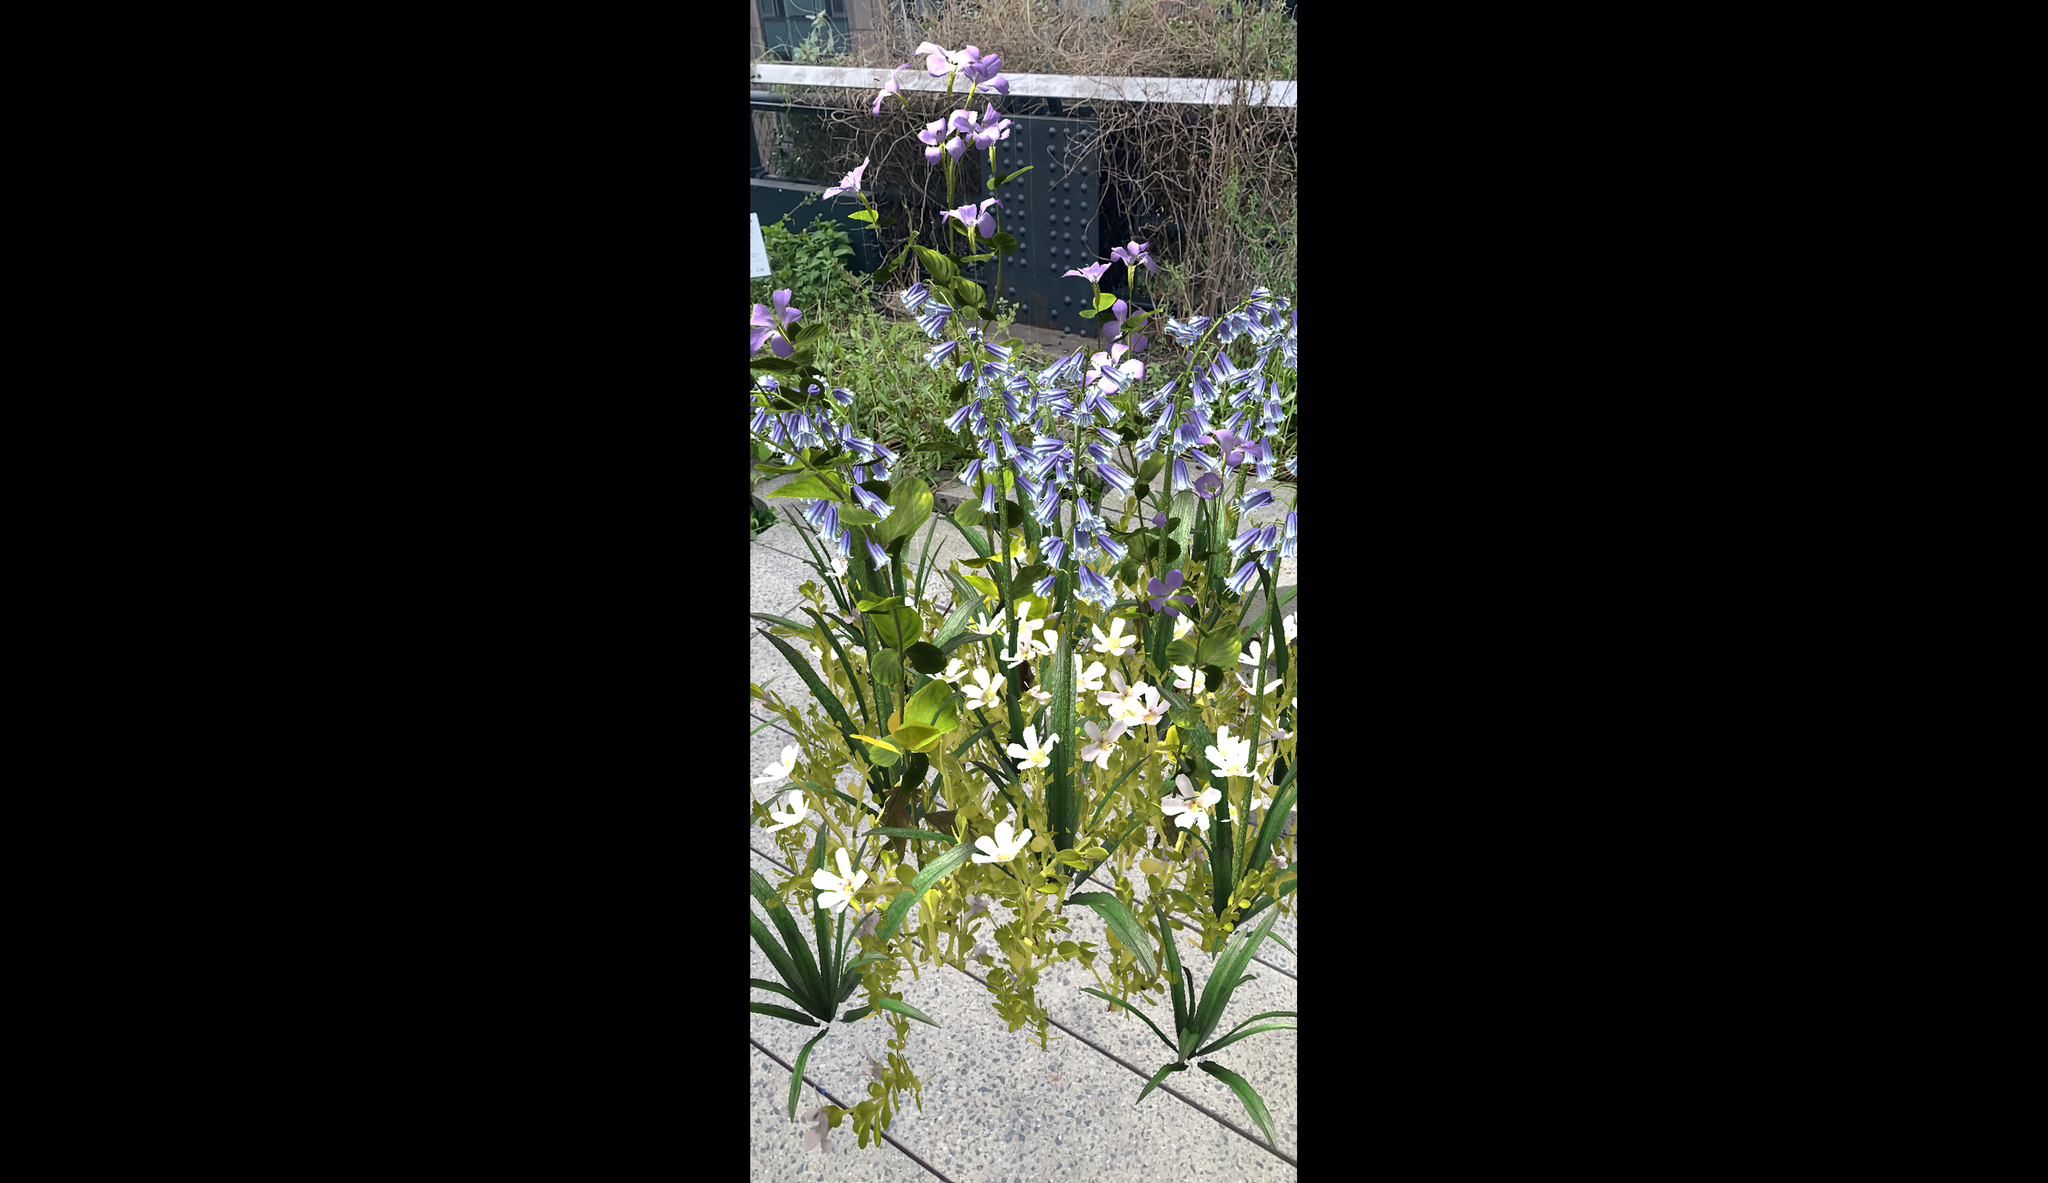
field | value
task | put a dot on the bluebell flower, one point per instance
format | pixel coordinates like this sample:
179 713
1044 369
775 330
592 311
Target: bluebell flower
1116 550
1001 351
1085 517
965 372
1094 588
988 497
1289 466
1287 537
1117 478
1055 550
843 395
881 472
1275 414
859 474
1234 423
1268 559
766 384
972 470
822 514
845 543
934 318
868 501
1044 586
1256 499
1180 476
1009 443
914 298
1096 452
1189 332
1244 542
1245 577
887 454
1260 303
876 553
939 353
958 419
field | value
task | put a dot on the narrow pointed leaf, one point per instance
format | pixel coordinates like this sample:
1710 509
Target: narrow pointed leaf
905 1009
1252 1104
1164 1070
776 956
1180 985
1223 977
806 979
819 691
1123 924
1107 997
1234 1036
899 832
934 871
796 1078
765 984
781 1012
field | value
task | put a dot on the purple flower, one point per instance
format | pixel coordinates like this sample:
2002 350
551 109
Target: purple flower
930 135
1094 588
1091 274
975 218
1133 255
765 323
890 87
850 183
1208 485
1160 521
1162 592
1232 447
1246 575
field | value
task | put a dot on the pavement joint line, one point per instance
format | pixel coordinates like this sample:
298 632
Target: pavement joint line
907 1151
772 723
1226 1123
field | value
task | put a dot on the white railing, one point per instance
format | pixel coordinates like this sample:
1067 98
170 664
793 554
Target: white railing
1197 91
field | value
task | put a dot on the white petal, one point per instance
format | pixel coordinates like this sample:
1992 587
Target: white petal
845 868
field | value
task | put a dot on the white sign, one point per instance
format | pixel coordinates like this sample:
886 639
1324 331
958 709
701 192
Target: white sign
760 260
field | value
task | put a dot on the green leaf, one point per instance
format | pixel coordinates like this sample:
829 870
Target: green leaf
854 515
885 666
926 658
1181 652
1275 821
1063 805
1179 985
938 266
1257 627
818 689
1228 968
774 365
765 984
782 622
866 215
814 485
898 832
932 707
1243 1089
1105 300
905 1009
934 871
1087 314
796 1077
1134 1010
1219 648
776 956
857 1014
799 949
1123 924
1006 242
781 1012
911 500
1158 1076
1234 1035
1006 178
899 628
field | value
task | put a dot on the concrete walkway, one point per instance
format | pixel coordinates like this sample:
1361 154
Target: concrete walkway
992 1109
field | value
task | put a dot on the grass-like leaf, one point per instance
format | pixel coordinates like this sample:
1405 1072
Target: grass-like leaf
1123 924
1164 1069
776 956
825 697
782 1012
1107 997
765 984
1181 984
1223 978
898 832
1252 1104
934 871
796 1078
1234 1036
905 1009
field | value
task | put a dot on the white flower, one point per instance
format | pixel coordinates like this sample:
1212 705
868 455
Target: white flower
1039 693
838 888
1186 680
1047 644
1001 848
1116 644
1182 626
1102 747
1156 707
1272 687
1273 729
955 670
1250 657
1125 703
816 653
1188 809
816 1137
839 565
1287 623
1089 679
985 626
985 692
1261 802
1230 757
1033 755
791 812
780 769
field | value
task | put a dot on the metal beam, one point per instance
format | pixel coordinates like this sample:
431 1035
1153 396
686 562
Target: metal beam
1195 91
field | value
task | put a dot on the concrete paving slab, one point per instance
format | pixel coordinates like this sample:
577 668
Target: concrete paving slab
1004 1116
776 1144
